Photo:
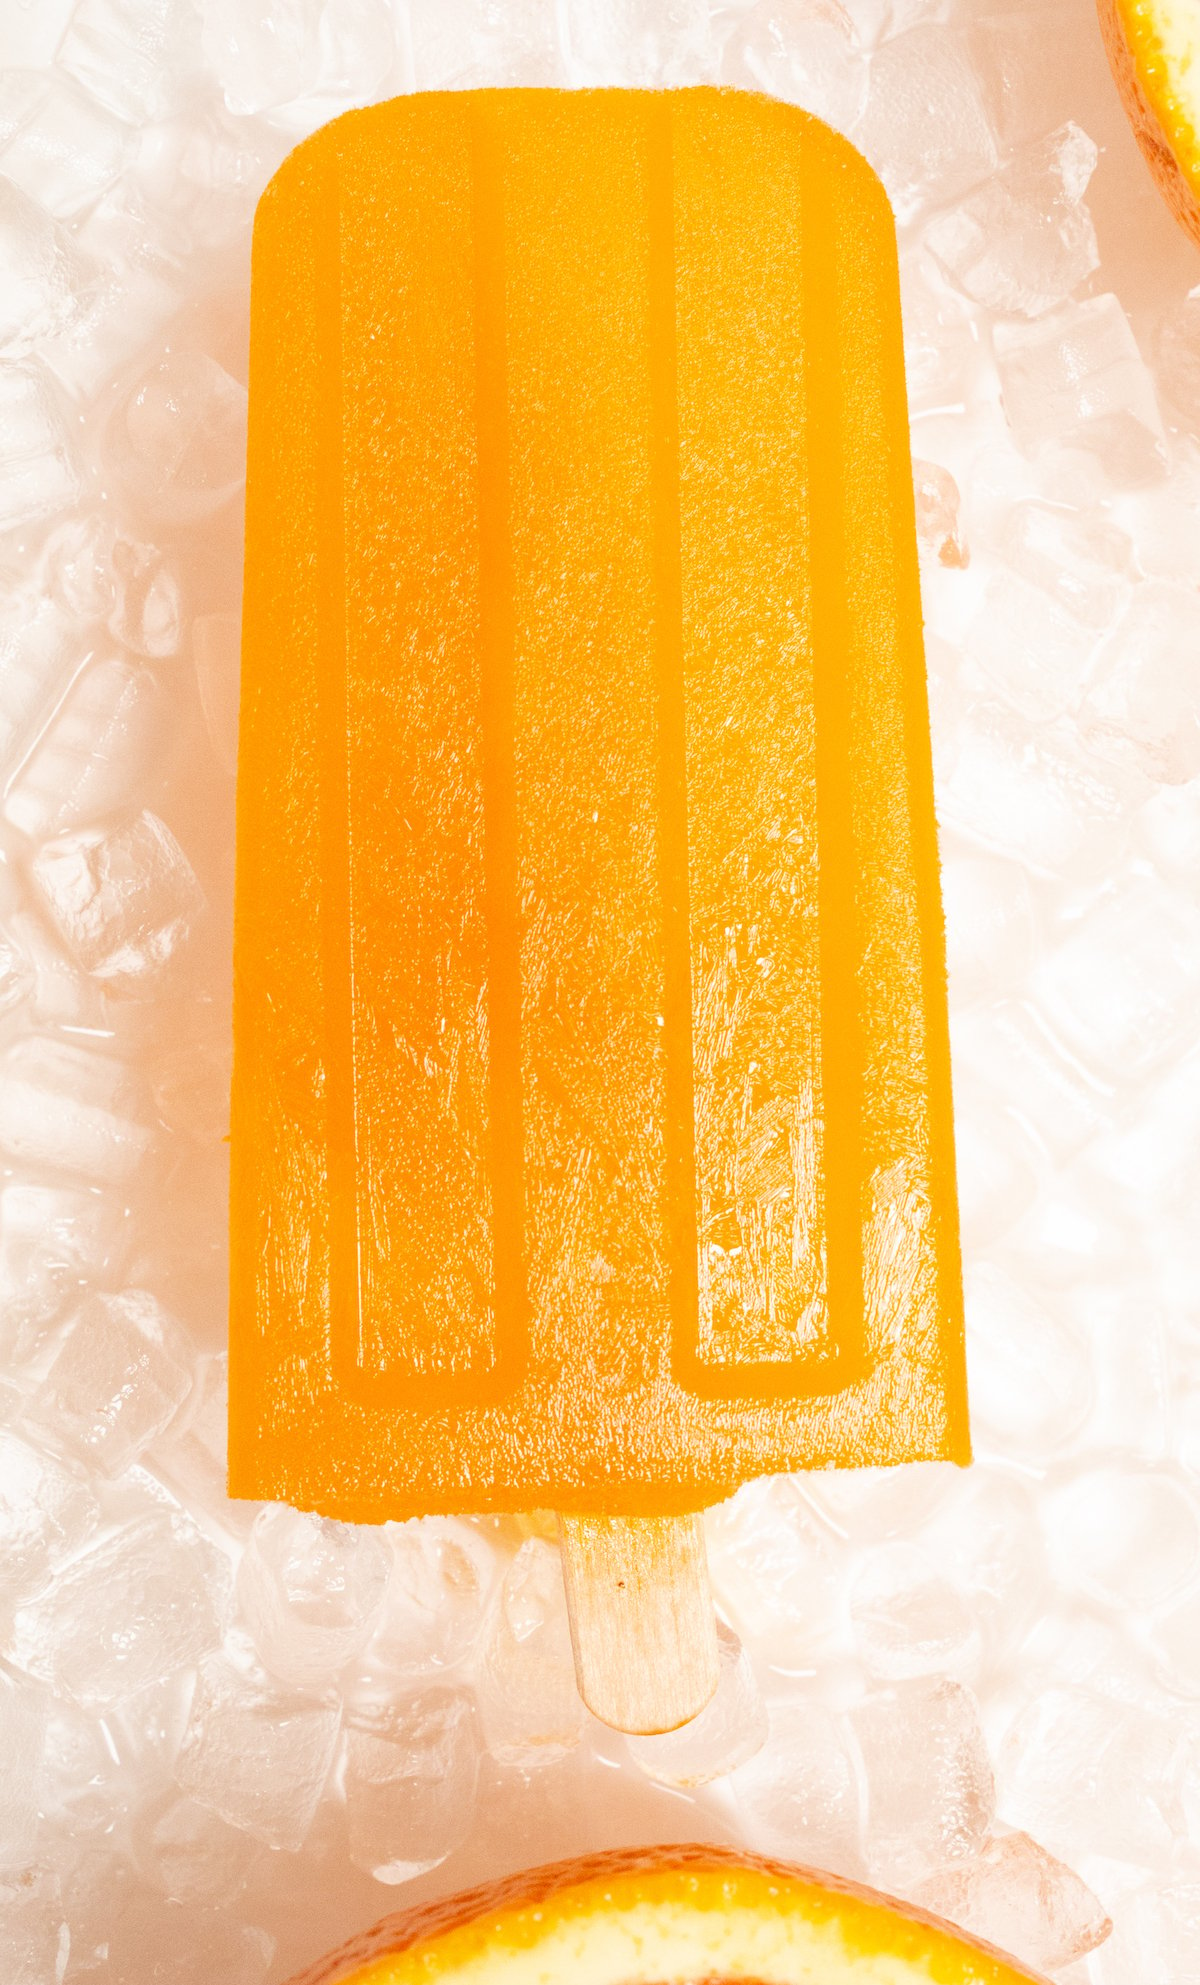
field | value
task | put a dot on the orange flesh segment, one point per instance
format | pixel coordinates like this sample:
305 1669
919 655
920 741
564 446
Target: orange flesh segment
639 1923
591 1118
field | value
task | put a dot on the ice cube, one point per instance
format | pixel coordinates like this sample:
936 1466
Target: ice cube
41 473
411 1768
805 51
1021 1899
936 495
216 654
1177 1645
1178 353
22 1736
256 1753
1026 79
142 1603
265 57
1165 517
69 1110
1030 1387
1037 655
16 976
310 1591
144 286
728 1732
939 345
1156 1938
31 34
532 1713
1044 799
57 993
989 924
442 1578
1081 560
1122 988
776 1568
1169 829
147 612
46 1511
358 44
800 1795
178 442
34 1937
1007 1053
1024 240
191 1083
930 1794
1131 1360
1128 1537
97 745
192 1452
984 1536
43 277
138 57
1089 1775
640 42
56 142
190 1854
1141 703
117 1381
185 1944
924 127
866 1504
1076 378
76 567
908 1620
84 1783
209 174
53 1241
122 896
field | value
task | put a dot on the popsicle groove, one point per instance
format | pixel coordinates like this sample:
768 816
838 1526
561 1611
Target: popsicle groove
335 824
505 1147
679 1143
833 669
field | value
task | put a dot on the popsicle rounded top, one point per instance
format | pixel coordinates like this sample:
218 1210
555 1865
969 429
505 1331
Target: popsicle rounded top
591 1119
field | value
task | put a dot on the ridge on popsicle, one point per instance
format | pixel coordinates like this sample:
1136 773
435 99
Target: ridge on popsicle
591 1119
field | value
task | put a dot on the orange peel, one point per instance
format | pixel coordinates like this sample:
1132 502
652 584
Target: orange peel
662 1916
1154 52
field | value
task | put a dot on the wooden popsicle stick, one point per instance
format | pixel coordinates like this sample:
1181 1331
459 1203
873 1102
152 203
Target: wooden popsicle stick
642 1621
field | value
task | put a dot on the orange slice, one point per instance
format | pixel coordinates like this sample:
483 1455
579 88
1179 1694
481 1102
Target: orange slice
1154 50
663 1916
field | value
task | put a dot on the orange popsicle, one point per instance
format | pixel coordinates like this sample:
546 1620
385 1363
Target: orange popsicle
591 1115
